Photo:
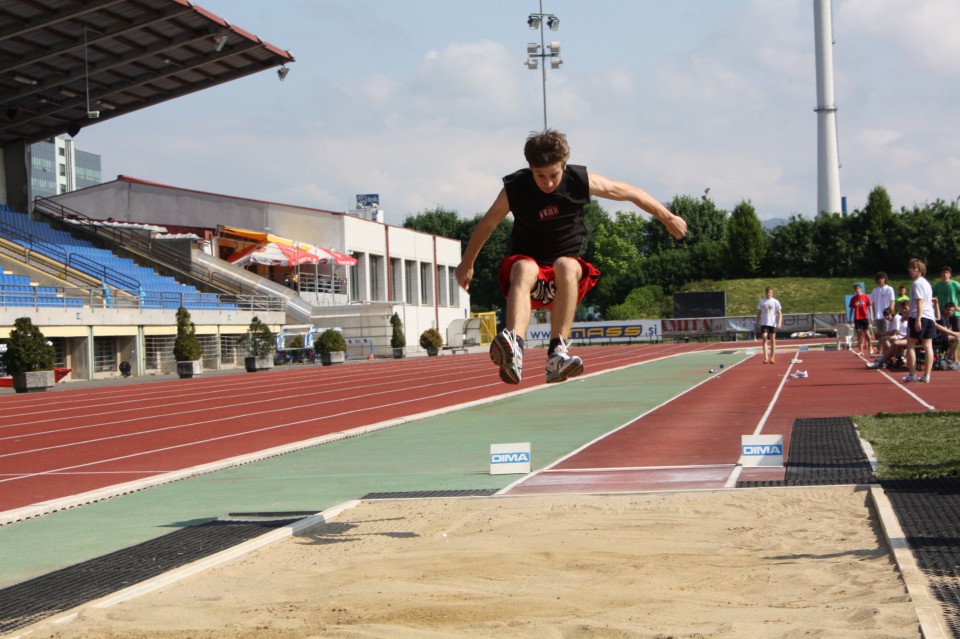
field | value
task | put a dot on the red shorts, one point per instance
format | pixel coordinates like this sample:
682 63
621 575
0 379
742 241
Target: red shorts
542 294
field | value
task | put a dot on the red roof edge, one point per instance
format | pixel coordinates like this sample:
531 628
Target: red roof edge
235 29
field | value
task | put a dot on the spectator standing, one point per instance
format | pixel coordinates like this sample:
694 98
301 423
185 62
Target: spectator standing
861 306
902 295
883 299
769 320
922 321
947 291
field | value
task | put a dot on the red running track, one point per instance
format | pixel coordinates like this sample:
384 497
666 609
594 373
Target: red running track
693 442
73 441
76 440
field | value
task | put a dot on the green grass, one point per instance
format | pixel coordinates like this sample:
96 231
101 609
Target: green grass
796 294
914 445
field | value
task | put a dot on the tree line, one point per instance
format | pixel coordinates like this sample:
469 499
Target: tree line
642 265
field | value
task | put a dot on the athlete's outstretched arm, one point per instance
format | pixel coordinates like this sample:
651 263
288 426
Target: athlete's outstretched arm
623 192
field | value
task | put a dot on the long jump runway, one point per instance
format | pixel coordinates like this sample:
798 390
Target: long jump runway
656 419
58 445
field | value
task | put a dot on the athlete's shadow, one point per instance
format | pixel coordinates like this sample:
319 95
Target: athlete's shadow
338 532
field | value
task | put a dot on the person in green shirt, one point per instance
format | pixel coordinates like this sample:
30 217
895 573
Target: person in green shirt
902 295
946 290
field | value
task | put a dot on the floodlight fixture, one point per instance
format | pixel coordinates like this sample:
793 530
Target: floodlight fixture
535 52
22 79
282 72
221 42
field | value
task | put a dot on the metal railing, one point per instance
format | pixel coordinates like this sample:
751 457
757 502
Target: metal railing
144 247
69 298
30 244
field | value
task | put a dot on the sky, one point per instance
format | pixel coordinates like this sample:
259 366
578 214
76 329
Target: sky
427 103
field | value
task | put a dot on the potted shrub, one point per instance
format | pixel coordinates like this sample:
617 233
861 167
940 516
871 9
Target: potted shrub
187 349
398 340
261 343
331 346
29 358
431 340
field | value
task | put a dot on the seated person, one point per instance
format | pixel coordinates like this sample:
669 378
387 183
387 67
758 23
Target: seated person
887 329
947 339
894 342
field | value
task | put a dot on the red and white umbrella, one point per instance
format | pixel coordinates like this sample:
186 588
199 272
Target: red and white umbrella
277 251
277 254
334 256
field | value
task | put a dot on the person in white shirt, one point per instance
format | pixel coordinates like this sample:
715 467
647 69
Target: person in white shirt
893 342
922 320
882 298
769 320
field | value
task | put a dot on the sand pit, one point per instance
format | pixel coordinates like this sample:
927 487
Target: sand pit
791 562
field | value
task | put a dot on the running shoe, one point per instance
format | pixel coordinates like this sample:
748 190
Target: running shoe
561 365
910 378
506 352
875 365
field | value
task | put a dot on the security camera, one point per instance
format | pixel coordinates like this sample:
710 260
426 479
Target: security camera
93 115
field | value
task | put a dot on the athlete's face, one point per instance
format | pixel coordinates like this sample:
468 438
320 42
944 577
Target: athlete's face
548 178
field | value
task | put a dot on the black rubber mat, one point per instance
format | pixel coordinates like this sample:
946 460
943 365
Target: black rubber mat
929 513
423 494
36 599
823 451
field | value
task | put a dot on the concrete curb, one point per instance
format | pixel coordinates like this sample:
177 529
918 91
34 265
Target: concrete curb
933 625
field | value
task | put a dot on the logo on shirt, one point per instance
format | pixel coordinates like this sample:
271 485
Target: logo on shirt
551 211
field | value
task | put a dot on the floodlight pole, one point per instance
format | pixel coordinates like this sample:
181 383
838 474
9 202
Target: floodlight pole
542 56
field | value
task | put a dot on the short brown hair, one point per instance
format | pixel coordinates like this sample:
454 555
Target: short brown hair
544 148
919 265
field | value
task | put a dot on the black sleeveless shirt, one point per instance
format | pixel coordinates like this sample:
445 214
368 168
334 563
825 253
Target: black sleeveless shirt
548 225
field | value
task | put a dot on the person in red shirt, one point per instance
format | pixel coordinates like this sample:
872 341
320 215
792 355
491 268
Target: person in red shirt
861 307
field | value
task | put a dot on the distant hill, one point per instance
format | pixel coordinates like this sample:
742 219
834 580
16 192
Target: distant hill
796 294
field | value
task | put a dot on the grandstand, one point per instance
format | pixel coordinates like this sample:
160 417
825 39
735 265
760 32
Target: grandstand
103 276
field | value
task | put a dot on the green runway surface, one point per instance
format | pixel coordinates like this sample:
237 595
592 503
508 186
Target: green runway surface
447 452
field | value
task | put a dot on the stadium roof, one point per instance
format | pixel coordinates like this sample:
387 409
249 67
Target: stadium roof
68 64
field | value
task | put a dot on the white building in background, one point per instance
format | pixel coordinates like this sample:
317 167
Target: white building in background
398 269
57 166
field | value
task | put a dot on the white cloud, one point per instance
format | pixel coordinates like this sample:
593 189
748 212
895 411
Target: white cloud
922 31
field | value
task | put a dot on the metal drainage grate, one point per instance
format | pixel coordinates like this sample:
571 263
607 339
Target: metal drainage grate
56 592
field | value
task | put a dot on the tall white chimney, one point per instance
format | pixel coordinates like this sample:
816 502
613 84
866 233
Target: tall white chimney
828 157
